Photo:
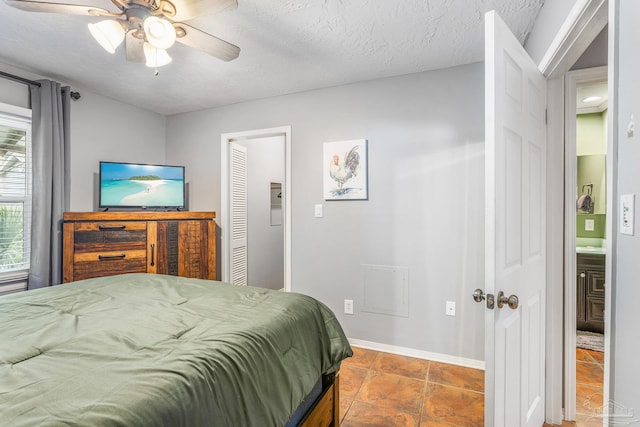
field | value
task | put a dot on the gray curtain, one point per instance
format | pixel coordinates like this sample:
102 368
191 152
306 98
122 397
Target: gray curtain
50 105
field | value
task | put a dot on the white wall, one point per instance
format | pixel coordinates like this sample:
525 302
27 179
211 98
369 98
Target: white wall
101 129
426 196
626 317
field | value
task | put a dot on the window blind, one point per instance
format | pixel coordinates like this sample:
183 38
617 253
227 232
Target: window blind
15 194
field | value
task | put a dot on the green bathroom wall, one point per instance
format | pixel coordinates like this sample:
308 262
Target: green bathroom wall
600 222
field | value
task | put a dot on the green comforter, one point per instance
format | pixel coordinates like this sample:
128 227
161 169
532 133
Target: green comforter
153 350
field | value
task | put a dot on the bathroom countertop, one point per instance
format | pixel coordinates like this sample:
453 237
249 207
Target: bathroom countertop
585 245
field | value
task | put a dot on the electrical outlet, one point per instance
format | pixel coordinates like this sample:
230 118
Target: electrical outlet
348 306
450 308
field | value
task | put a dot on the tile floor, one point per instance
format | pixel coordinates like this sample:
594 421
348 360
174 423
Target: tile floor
383 389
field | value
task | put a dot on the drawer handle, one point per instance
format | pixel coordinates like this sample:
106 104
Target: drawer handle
153 246
112 227
111 257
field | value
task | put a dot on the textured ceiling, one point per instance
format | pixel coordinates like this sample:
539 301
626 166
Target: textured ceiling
287 46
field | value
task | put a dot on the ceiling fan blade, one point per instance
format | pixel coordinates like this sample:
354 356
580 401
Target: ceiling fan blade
134 47
71 9
189 9
207 43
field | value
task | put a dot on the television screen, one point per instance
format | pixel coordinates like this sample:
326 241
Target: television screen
129 185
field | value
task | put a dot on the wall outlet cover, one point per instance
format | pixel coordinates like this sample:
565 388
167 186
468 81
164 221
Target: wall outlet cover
450 308
589 224
348 306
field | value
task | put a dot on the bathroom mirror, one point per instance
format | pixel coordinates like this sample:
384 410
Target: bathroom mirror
591 181
276 203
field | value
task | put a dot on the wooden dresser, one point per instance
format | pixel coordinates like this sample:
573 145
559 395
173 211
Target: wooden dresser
107 243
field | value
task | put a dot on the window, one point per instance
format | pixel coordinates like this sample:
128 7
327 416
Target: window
15 193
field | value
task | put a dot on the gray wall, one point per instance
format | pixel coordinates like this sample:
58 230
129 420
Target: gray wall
426 196
104 129
265 164
596 54
626 316
101 129
548 23
13 93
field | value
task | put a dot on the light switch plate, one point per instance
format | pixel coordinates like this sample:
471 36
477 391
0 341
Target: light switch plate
627 208
589 225
318 211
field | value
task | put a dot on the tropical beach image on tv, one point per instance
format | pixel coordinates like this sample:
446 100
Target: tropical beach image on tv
138 185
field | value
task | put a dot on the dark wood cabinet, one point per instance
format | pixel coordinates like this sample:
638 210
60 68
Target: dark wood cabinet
107 243
590 292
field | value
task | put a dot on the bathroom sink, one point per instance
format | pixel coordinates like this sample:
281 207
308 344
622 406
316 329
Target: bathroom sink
585 245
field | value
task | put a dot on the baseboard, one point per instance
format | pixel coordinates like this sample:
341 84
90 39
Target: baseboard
419 354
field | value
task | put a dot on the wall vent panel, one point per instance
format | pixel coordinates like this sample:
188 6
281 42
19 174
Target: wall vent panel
386 290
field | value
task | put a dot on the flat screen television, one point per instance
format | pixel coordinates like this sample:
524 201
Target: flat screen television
142 186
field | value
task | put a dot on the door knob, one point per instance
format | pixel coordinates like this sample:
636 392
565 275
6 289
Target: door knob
511 301
479 296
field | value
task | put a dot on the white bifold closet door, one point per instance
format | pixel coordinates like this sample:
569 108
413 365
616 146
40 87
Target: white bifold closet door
239 229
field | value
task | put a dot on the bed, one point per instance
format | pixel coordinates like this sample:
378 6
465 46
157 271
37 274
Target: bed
156 350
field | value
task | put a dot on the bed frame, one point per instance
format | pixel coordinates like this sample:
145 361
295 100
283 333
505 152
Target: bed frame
326 410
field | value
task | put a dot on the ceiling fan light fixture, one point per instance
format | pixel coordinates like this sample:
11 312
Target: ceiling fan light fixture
108 33
159 32
155 57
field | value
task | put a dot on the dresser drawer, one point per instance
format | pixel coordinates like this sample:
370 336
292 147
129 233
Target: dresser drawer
109 236
108 263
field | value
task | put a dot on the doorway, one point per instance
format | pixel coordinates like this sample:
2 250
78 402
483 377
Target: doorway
265 224
585 195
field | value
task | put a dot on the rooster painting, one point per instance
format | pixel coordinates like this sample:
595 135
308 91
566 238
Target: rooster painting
345 180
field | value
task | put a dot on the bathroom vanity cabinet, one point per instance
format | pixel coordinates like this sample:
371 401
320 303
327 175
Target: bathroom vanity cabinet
590 295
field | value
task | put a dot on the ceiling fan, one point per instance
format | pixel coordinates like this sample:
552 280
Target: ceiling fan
148 27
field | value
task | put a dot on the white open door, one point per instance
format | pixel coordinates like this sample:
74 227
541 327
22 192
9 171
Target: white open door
515 132
238 213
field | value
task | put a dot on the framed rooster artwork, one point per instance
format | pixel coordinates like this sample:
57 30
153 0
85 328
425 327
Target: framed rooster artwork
345 170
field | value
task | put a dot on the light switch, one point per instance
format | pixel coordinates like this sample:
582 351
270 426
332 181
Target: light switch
589 225
318 211
626 213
